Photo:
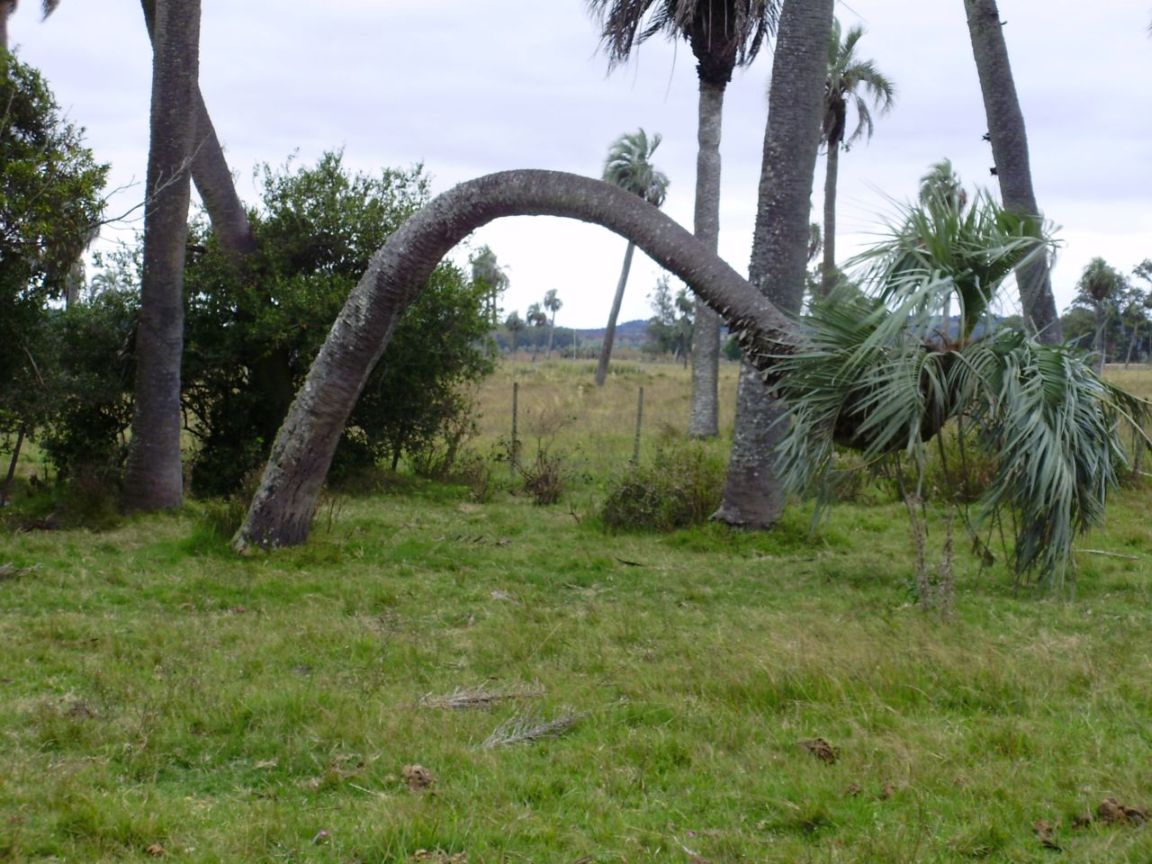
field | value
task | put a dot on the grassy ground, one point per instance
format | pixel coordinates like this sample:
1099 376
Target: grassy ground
433 679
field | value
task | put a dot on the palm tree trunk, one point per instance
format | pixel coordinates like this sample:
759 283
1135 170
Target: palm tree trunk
610 330
704 420
285 502
211 174
7 7
829 275
1010 153
551 333
752 495
154 477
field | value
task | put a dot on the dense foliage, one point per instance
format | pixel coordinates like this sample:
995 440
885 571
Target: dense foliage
881 375
50 204
253 327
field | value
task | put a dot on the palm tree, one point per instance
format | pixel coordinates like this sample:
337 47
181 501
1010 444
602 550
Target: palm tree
723 34
154 477
942 185
629 166
538 320
514 324
1010 153
874 379
552 303
1100 285
753 495
8 7
847 76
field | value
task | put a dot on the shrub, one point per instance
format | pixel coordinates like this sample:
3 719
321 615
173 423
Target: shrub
683 486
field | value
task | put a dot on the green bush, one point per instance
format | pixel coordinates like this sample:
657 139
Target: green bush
683 486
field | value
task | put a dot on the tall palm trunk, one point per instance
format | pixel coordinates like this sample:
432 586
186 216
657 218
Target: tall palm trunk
829 275
1010 153
154 477
610 330
752 494
704 418
285 502
7 7
211 174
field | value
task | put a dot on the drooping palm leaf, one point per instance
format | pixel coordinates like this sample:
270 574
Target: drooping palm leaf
871 376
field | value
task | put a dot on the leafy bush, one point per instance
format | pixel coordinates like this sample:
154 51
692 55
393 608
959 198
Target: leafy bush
253 329
683 486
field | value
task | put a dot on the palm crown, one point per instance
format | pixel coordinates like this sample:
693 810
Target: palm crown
851 81
629 166
873 377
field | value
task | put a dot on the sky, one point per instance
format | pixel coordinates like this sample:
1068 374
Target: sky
469 88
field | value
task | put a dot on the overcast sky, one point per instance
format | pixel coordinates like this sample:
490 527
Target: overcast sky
469 88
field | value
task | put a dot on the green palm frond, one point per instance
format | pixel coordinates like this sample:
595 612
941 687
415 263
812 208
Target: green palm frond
629 166
974 249
871 376
852 81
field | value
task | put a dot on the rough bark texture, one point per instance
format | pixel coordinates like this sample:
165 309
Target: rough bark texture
704 418
610 330
752 496
211 174
7 7
285 502
1010 153
829 275
154 479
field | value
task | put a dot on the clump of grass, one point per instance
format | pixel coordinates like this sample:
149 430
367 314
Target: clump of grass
681 487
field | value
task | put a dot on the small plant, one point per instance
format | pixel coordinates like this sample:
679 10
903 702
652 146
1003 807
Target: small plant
543 477
681 487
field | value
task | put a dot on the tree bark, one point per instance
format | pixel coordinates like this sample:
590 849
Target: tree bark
829 275
211 174
154 477
704 420
285 502
752 495
7 7
610 330
1010 154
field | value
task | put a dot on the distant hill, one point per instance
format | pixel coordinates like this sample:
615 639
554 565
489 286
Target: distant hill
633 333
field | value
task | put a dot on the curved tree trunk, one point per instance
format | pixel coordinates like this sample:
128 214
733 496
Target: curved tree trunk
752 496
829 275
704 420
285 502
610 330
1010 153
154 478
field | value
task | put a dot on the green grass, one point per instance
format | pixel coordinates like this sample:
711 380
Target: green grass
158 693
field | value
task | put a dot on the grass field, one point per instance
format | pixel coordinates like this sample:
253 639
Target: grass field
437 679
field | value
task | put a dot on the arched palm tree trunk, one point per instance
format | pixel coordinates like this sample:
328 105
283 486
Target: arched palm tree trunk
154 476
285 502
752 493
1010 153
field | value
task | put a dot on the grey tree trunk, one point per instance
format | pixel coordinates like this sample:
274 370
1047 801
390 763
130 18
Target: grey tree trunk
285 502
704 420
211 174
752 494
7 7
829 275
154 478
1010 153
610 330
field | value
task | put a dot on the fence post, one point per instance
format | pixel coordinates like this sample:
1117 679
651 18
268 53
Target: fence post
639 423
514 448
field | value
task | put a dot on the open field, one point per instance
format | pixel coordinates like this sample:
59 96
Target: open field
436 679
